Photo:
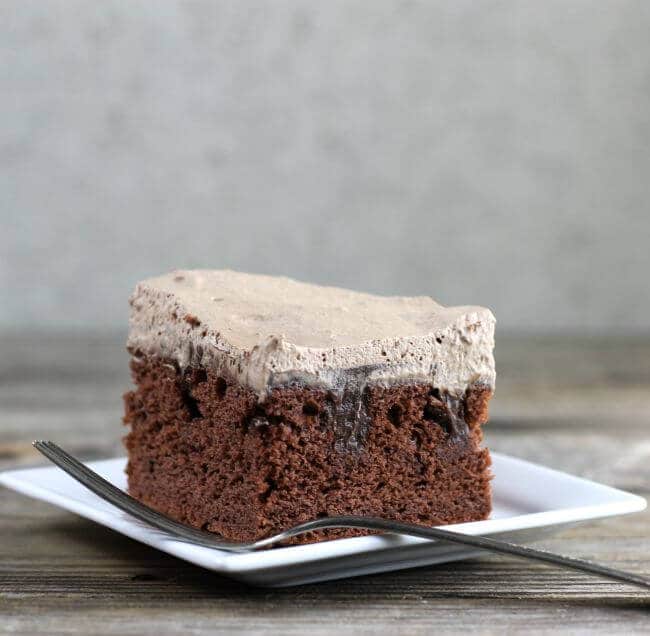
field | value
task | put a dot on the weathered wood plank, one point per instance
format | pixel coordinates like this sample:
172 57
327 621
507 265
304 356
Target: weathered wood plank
56 564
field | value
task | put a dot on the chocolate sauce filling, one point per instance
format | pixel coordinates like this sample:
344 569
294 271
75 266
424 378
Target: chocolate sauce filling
346 411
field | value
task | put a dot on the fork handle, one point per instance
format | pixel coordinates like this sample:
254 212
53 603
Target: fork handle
475 541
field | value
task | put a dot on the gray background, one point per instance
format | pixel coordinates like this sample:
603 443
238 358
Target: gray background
481 152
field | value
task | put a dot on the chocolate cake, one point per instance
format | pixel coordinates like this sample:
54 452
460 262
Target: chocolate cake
261 402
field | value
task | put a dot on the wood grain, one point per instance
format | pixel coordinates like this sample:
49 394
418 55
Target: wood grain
581 405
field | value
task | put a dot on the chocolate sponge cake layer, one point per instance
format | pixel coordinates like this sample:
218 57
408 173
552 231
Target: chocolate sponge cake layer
206 450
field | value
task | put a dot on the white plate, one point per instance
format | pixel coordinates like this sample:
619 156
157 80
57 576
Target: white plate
530 502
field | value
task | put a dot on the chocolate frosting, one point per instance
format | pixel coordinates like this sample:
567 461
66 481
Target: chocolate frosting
267 331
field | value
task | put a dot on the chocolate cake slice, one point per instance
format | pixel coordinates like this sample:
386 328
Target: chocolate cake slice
261 402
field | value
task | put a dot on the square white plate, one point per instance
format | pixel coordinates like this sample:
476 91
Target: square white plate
530 502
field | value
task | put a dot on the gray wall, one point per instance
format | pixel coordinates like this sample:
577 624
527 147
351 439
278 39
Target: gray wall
481 152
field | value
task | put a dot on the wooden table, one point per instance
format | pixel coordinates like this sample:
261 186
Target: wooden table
580 405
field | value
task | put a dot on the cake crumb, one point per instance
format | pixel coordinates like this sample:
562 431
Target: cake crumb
192 320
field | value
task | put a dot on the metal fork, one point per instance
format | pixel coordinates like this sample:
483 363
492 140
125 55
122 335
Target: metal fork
182 532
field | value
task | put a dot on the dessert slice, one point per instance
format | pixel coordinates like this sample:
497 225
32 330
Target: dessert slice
261 402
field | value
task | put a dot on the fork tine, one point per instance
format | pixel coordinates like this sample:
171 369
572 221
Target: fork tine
107 491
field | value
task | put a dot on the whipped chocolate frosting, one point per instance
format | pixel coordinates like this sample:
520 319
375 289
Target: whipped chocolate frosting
267 331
